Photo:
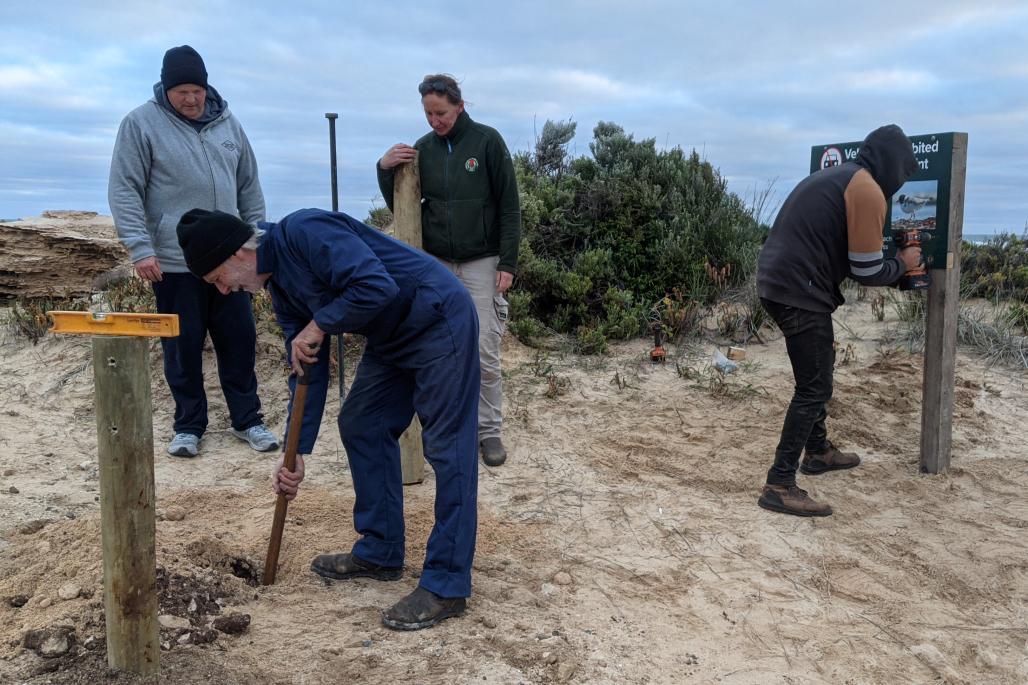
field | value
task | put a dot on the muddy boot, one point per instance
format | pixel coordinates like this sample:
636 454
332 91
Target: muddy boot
791 500
829 460
346 566
493 451
422 609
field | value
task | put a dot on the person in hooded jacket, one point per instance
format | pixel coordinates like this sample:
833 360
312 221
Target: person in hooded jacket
829 228
184 149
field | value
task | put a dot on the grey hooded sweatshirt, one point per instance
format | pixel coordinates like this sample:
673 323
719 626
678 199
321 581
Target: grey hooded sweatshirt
163 166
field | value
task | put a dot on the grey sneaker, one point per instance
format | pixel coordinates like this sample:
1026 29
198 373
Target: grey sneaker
258 437
493 451
184 445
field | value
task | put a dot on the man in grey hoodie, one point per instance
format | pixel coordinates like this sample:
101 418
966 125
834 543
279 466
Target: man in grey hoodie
184 149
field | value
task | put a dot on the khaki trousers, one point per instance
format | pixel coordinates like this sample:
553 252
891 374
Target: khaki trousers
479 277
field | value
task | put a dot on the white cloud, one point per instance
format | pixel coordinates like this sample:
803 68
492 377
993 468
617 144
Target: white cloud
907 81
752 85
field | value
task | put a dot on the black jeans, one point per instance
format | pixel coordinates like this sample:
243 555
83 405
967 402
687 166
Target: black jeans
229 320
809 338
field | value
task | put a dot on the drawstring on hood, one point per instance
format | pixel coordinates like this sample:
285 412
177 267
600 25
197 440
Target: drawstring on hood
889 156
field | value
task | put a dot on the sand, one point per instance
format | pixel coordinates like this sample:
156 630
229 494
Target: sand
621 543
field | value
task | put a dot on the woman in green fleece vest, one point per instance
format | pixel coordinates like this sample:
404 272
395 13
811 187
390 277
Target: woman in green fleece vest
470 221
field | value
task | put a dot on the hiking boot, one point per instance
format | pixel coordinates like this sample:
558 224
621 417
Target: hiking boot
422 609
493 451
184 445
346 566
258 437
829 460
791 500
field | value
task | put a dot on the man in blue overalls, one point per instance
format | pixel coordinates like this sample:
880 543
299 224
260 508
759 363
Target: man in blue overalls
329 274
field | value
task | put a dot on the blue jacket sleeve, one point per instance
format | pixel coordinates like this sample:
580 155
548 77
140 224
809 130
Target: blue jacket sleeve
348 267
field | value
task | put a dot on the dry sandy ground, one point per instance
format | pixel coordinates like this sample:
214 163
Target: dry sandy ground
620 544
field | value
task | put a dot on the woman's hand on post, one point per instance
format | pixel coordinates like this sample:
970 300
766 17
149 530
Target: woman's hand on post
401 153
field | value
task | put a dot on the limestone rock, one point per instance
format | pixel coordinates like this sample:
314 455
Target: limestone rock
58 253
49 643
31 527
174 514
562 578
172 622
69 591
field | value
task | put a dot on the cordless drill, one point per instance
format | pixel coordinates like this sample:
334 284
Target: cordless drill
657 354
919 277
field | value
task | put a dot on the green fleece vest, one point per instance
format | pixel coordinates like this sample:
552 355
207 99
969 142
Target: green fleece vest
470 207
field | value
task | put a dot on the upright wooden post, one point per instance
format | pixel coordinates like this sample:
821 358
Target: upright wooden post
124 427
941 329
407 227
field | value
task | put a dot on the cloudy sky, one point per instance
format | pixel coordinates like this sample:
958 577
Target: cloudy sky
751 85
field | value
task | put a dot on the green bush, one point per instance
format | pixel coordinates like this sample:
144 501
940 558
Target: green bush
379 217
996 269
26 317
528 330
129 294
607 238
1017 315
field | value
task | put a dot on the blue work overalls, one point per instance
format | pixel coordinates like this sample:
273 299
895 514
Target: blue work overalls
421 356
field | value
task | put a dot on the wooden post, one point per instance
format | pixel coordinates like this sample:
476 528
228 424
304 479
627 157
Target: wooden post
407 227
121 370
941 329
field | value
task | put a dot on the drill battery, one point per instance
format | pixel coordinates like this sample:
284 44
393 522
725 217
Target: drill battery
657 354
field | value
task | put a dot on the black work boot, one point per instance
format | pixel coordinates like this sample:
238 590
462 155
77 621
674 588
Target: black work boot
789 499
422 609
493 451
829 460
346 566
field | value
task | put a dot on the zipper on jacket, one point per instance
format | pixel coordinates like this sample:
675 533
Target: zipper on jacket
449 201
210 167
207 158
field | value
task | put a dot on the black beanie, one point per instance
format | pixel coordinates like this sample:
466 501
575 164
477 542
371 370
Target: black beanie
208 239
183 65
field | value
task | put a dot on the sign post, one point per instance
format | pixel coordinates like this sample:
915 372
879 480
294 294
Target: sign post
932 200
124 432
941 322
407 227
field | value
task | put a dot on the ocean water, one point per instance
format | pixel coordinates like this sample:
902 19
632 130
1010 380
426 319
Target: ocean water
978 238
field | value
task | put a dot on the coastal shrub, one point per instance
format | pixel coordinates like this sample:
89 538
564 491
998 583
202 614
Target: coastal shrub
26 317
626 238
996 269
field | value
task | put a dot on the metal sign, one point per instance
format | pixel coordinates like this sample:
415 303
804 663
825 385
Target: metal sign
915 206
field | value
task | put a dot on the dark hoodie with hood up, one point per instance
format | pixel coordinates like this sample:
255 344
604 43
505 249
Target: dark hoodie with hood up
830 227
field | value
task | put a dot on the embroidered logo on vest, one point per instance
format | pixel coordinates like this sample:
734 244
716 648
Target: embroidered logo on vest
471 165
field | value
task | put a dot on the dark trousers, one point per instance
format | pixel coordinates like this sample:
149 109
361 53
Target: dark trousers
809 338
229 320
435 375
